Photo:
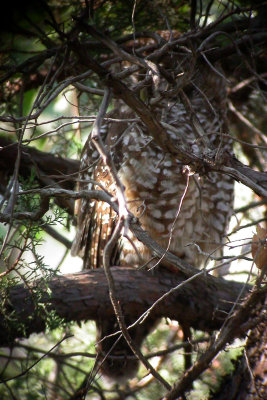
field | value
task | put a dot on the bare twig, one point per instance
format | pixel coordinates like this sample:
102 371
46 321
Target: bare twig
247 122
36 362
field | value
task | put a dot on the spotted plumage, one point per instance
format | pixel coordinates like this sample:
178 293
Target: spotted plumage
188 214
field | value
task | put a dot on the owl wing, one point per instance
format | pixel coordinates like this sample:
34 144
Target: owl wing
95 219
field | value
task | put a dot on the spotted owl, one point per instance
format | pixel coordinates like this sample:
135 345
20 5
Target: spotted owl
186 214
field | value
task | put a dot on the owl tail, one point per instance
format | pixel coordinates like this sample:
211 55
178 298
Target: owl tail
117 361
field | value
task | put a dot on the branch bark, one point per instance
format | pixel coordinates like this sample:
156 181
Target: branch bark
202 303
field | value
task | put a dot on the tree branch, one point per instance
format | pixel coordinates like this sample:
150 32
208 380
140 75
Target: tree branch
202 303
228 164
241 321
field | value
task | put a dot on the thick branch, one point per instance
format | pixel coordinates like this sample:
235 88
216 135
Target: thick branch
202 303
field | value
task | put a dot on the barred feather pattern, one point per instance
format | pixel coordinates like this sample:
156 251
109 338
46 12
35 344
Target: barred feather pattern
154 185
